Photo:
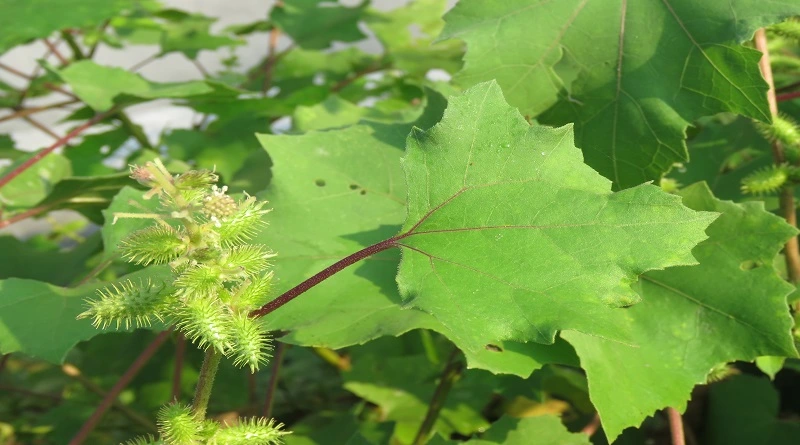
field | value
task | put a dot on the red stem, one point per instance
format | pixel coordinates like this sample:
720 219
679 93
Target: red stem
277 360
326 273
60 142
592 426
676 426
788 96
180 352
123 381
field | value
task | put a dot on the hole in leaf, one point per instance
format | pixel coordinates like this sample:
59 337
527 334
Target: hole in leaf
494 348
320 182
363 192
353 186
749 265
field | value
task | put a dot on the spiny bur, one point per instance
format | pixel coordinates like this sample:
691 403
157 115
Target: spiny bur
218 278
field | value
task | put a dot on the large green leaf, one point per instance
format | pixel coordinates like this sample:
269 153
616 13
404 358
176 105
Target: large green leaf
83 78
315 26
732 306
744 411
630 74
38 319
30 19
509 236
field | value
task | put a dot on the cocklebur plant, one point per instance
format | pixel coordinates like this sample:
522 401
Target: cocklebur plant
202 233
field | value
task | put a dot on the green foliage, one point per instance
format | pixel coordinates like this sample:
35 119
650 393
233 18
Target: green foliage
407 211
625 88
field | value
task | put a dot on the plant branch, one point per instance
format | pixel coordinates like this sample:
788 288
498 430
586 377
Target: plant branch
42 127
592 426
123 381
58 143
94 272
202 392
274 33
676 426
96 44
33 110
77 375
324 274
277 361
357 75
15 71
450 374
23 215
787 96
133 129
791 251
789 87
64 61
180 353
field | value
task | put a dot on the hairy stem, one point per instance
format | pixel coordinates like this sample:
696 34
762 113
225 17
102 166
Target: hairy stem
277 361
326 273
450 374
60 142
77 53
114 392
791 251
205 383
676 426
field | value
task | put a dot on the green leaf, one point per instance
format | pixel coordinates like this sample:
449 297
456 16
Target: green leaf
509 236
83 78
59 267
312 26
539 430
31 19
415 52
36 182
190 33
630 75
770 365
732 306
38 319
87 157
744 410
224 146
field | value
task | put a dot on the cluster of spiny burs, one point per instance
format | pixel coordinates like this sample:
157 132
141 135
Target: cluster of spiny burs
218 279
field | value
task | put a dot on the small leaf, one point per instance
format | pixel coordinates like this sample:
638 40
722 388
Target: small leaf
82 77
312 27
